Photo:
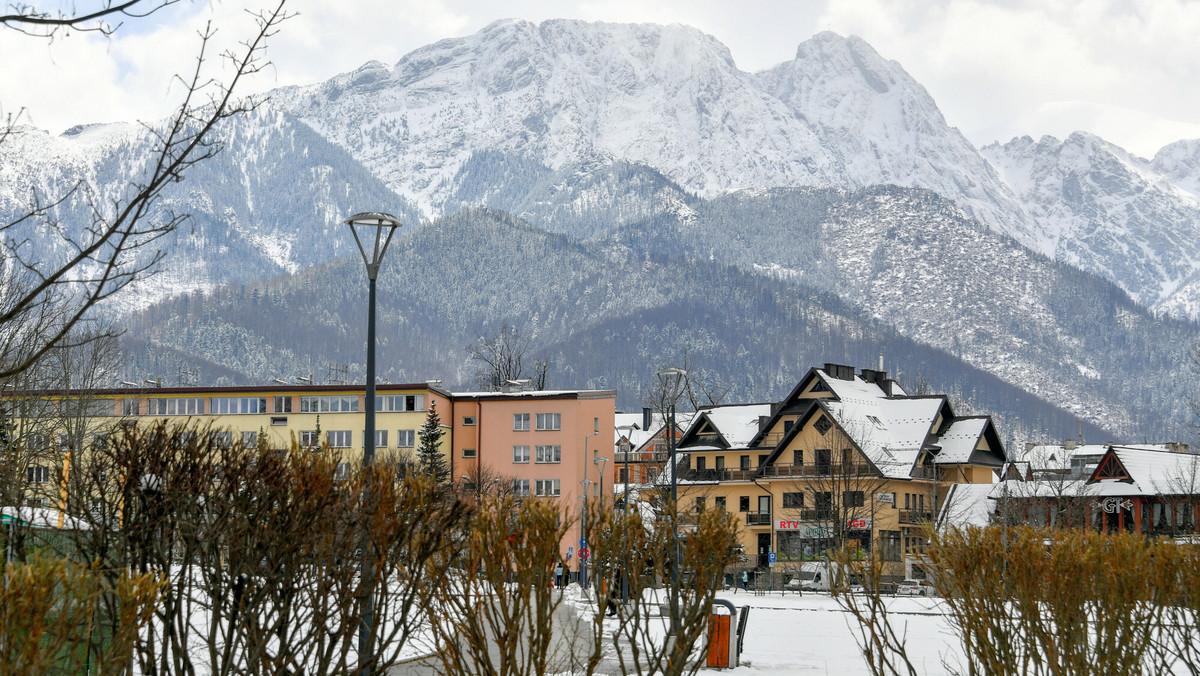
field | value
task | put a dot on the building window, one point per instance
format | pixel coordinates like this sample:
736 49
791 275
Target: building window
279 420
549 421
745 463
38 474
175 406
381 438
520 422
221 439
623 475
341 472
237 405
546 488
35 442
521 487
406 438
744 503
798 457
339 438
520 454
720 462
701 463
333 403
762 460
852 499
468 421
310 438
283 404
824 505
468 453
399 403
823 425
719 502
787 425
793 500
129 407
700 504
249 439
889 545
824 461
549 453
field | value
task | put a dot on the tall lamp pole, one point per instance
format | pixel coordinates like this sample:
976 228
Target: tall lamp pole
377 230
626 447
587 484
671 380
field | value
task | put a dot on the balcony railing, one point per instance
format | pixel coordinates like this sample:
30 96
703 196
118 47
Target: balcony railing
832 469
758 518
716 474
643 456
924 473
915 516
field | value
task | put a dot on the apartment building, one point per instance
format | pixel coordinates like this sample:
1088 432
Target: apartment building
845 458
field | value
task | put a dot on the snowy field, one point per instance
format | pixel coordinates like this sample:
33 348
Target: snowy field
788 633
810 634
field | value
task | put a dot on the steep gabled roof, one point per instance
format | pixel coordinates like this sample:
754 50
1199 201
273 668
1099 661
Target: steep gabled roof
1127 470
736 425
959 442
890 432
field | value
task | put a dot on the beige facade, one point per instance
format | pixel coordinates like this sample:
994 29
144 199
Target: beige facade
846 459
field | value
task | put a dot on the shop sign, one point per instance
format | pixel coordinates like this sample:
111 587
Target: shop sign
1113 505
858 524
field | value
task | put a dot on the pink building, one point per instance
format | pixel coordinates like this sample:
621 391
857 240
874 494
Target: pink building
540 444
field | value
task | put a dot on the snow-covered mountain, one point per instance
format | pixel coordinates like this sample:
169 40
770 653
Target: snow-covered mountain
1111 213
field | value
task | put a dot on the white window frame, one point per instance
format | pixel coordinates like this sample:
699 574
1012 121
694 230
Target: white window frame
340 438
549 422
406 438
470 453
237 405
249 439
520 488
310 439
520 422
547 488
37 474
175 406
548 453
329 403
521 453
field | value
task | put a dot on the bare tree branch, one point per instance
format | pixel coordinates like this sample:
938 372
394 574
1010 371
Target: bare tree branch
30 20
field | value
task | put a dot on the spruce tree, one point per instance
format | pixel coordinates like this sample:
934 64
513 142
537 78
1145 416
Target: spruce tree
429 452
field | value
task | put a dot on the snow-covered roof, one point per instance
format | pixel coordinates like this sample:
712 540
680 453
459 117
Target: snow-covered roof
737 424
41 517
640 437
958 442
889 432
967 505
1154 469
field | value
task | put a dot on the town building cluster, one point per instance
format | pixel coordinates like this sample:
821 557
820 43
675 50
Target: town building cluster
848 457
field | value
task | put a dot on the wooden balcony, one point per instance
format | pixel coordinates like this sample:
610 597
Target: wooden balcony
716 475
832 469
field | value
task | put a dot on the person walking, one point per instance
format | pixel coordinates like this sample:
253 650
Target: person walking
745 581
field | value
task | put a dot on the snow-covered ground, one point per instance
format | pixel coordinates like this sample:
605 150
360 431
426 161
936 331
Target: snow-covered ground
791 634
788 633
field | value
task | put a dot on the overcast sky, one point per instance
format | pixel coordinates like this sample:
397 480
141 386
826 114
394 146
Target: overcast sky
1127 71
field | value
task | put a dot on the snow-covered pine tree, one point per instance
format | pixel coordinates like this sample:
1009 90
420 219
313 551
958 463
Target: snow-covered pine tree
429 452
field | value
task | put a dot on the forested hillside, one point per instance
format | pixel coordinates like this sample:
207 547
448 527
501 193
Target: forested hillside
604 315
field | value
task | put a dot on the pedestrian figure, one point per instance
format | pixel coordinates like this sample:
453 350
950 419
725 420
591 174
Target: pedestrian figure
558 575
745 581
614 594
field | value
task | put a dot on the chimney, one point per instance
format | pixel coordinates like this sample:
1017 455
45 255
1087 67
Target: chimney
839 371
869 375
1069 444
762 421
646 419
886 383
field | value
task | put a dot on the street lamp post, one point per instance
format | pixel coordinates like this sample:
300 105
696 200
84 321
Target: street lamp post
671 380
587 485
382 227
626 447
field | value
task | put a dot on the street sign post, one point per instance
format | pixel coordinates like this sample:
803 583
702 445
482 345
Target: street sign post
771 559
583 553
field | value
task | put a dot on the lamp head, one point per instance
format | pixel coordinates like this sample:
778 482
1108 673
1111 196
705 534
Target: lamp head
672 381
374 224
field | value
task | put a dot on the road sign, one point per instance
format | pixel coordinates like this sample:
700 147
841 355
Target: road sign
771 558
583 553
583 543
570 552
